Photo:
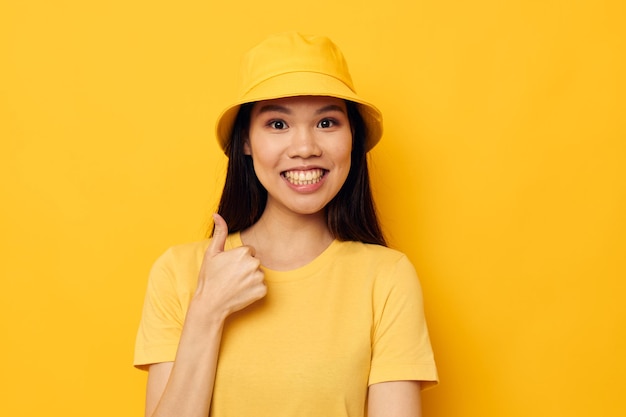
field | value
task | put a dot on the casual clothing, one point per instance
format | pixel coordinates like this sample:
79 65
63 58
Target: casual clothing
323 333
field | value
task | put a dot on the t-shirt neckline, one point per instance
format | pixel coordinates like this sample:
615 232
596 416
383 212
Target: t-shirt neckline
305 271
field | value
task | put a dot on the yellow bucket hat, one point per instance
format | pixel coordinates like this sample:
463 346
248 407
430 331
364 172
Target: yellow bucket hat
292 64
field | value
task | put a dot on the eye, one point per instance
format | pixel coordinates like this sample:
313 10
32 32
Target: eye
326 123
277 124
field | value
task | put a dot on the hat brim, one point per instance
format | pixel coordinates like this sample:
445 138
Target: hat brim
301 84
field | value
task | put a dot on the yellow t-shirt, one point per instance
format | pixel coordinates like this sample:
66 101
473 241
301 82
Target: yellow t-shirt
323 333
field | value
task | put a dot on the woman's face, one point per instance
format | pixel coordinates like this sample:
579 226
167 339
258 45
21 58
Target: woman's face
301 149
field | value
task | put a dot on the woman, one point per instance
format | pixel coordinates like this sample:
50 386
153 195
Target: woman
299 308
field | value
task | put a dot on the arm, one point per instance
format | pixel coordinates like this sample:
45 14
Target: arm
158 374
228 281
394 399
184 387
402 354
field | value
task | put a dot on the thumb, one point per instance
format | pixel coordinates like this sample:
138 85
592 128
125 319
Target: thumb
220 233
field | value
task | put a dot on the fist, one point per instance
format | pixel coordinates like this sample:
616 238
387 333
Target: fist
229 280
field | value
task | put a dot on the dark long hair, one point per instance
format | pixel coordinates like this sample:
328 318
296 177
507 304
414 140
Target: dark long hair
350 215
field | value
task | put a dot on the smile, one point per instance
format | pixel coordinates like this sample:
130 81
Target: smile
307 177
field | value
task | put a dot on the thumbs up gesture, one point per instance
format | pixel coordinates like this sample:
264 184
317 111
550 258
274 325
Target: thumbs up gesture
229 280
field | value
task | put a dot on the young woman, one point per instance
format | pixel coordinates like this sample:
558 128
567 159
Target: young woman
295 307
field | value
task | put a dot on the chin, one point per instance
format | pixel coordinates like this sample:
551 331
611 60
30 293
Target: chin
308 210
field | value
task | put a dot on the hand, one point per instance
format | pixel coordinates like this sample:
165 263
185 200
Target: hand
229 280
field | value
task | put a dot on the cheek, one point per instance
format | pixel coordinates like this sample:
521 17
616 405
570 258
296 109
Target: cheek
264 160
344 163
344 154
264 153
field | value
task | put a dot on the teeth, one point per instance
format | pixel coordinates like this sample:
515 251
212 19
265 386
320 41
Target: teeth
311 176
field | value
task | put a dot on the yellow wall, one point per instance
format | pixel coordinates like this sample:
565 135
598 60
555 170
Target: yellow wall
502 174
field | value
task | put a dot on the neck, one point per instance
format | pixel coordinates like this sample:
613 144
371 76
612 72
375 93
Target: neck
284 242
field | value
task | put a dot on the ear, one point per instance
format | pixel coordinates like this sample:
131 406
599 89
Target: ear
246 148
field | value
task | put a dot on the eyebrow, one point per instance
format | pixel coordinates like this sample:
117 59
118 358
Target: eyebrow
330 107
282 109
274 107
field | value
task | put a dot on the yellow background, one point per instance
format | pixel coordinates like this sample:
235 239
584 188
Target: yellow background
502 175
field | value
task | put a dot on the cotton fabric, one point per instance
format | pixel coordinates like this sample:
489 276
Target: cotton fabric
324 332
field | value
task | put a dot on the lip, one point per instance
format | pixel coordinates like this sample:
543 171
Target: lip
305 179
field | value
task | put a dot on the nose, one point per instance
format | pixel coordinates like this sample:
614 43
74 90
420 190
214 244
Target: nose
304 144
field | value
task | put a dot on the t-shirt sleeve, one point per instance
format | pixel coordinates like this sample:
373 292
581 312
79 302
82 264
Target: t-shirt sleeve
401 348
162 317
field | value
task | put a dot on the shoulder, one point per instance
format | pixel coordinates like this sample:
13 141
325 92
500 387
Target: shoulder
192 253
187 257
177 268
375 256
384 267
181 255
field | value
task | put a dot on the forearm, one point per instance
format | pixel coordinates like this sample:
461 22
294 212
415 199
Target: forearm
228 281
189 388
